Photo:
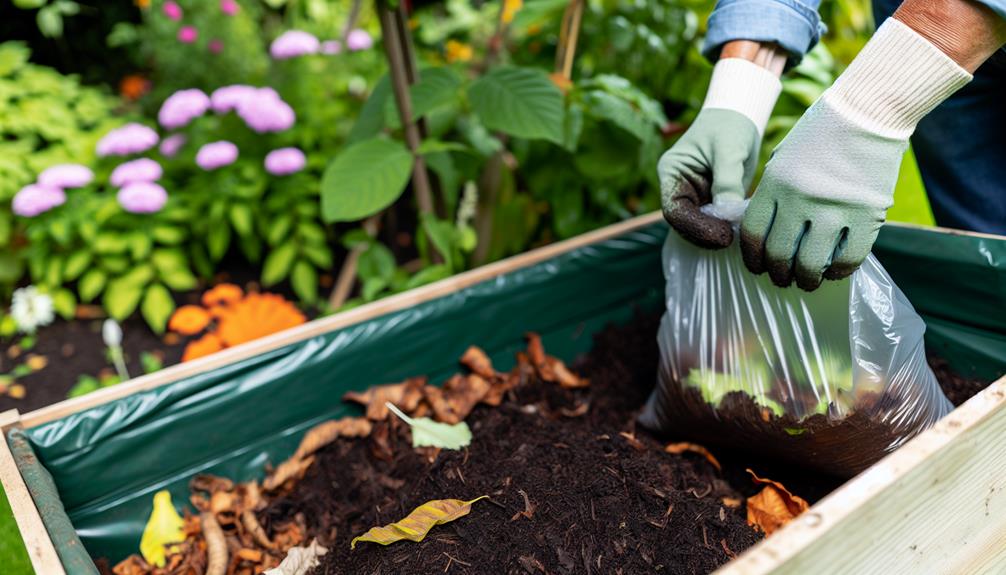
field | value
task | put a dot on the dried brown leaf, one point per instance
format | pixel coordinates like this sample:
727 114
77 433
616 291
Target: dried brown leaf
405 396
222 502
731 502
476 360
465 392
684 446
774 506
630 438
210 483
550 368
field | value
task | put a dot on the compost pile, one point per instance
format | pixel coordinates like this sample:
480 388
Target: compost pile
571 485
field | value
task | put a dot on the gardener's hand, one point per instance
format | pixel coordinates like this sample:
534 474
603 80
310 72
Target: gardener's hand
826 190
716 158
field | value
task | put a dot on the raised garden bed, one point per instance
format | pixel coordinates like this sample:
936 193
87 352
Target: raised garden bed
109 451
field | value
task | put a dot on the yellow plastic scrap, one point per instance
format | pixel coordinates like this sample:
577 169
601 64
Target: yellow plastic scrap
418 523
164 527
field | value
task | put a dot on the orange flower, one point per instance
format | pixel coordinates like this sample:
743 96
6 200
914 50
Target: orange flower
510 8
257 315
205 345
133 86
455 51
189 320
222 294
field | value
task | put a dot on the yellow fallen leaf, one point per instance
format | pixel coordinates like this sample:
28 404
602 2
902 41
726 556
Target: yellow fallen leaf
683 446
418 523
774 506
164 527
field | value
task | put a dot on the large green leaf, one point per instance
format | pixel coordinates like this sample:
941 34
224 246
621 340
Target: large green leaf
436 87
371 119
522 102
364 179
619 112
157 307
121 298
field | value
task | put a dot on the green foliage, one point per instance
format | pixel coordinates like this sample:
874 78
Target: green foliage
364 179
520 102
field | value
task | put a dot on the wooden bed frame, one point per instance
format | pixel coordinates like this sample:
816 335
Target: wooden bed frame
936 505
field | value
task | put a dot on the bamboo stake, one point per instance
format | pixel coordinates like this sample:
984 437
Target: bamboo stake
569 35
347 273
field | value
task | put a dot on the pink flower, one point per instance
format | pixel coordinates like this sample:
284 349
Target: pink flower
171 145
227 98
359 40
139 170
182 107
264 111
132 138
173 11
35 199
187 34
216 46
293 43
229 7
142 198
216 155
330 47
66 176
284 161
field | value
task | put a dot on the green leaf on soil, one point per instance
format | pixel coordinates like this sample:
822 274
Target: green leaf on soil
426 432
522 102
157 307
364 179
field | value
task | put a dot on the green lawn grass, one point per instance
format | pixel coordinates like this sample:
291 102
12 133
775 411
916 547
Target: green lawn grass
13 555
910 203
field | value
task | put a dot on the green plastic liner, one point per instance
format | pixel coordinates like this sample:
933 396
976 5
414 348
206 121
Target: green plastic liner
108 461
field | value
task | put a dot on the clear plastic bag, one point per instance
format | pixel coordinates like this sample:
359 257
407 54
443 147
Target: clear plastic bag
833 379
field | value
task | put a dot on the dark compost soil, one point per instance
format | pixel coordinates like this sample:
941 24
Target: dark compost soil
593 500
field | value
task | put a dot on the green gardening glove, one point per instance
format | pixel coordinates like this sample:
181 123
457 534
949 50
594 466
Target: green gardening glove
715 160
826 190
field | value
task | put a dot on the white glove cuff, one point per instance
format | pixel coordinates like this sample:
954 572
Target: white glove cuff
745 87
896 79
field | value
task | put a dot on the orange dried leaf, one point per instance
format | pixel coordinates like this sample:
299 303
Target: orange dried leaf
189 320
222 294
417 524
203 346
774 506
255 316
476 360
682 447
550 368
405 396
316 438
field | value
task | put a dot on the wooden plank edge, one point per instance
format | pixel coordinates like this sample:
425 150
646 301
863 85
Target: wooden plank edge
41 550
337 321
773 552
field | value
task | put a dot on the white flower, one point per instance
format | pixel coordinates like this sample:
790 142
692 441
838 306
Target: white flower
31 308
111 333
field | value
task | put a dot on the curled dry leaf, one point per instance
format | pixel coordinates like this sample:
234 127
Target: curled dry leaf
774 506
417 524
299 560
476 360
550 368
317 437
684 446
216 545
406 396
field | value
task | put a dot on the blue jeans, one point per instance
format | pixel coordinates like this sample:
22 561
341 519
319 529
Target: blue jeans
961 148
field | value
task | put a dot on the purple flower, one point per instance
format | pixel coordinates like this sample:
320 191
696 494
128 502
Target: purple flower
264 111
140 170
216 155
187 34
172 10
66 176
171 145
293 43
284 161
182 107
330 47
216 46
35 199
227 98
142 198
229 7
359 40
129 139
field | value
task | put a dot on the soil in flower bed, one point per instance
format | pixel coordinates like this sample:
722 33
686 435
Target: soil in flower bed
574 487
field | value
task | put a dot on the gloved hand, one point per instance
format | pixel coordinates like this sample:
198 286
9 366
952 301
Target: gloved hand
715 160
827 187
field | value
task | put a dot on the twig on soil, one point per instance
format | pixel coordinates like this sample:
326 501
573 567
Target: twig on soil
451 559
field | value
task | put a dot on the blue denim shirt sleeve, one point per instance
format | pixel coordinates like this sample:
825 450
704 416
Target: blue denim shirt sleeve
997 6
793 24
